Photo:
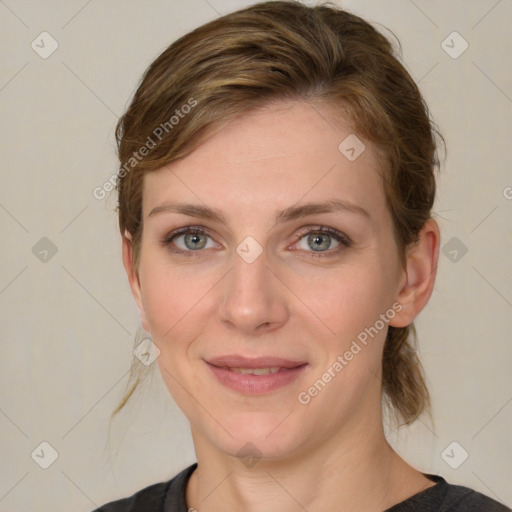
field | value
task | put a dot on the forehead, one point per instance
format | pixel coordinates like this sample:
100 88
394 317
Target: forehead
279 155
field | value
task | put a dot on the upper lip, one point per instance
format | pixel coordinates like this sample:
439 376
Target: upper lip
235 361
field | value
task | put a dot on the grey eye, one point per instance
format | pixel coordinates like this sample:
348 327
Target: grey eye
194 241
319 242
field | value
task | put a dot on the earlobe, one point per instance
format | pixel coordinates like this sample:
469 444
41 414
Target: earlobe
420 275
133 276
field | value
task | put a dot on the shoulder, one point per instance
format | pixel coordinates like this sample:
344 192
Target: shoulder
463 499
446 497
149 498
154 497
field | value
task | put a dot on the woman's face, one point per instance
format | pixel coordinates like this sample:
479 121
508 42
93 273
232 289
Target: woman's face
301 295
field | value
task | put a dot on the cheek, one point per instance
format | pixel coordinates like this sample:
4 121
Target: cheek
174 304
159 297
350 304
346 300
168 296
179 304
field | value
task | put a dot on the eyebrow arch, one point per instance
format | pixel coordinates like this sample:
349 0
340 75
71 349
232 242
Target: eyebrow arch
286 215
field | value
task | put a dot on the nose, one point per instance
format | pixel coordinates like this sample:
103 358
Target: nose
254 299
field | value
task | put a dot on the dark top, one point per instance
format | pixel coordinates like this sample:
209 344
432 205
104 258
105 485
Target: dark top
443 497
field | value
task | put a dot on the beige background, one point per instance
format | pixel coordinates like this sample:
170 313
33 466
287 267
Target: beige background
68 323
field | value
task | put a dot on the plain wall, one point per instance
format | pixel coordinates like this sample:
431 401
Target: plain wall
68 323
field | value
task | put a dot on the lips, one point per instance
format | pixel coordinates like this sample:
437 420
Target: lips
255 375
234 361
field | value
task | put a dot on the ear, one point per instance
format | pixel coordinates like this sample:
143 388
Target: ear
418 279
133 277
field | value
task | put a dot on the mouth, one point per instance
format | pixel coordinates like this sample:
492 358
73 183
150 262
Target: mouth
255 371
255 375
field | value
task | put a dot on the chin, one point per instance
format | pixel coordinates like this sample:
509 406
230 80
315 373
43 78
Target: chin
258 434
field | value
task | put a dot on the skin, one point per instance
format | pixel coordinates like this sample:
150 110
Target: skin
332 452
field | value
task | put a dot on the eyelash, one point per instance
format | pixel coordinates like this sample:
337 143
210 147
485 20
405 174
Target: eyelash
343 239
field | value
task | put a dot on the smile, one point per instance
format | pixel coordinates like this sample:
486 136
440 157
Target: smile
255 371
255 376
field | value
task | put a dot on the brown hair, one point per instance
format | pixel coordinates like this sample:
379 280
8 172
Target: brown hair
285 50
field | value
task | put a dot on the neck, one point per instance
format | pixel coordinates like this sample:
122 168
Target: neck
354 470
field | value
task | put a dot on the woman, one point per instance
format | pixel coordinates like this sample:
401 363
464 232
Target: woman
275 192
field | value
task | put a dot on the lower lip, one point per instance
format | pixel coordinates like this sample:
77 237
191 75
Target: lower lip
256 384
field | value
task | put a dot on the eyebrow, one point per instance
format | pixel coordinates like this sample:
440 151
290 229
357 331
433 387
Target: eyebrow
286 215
